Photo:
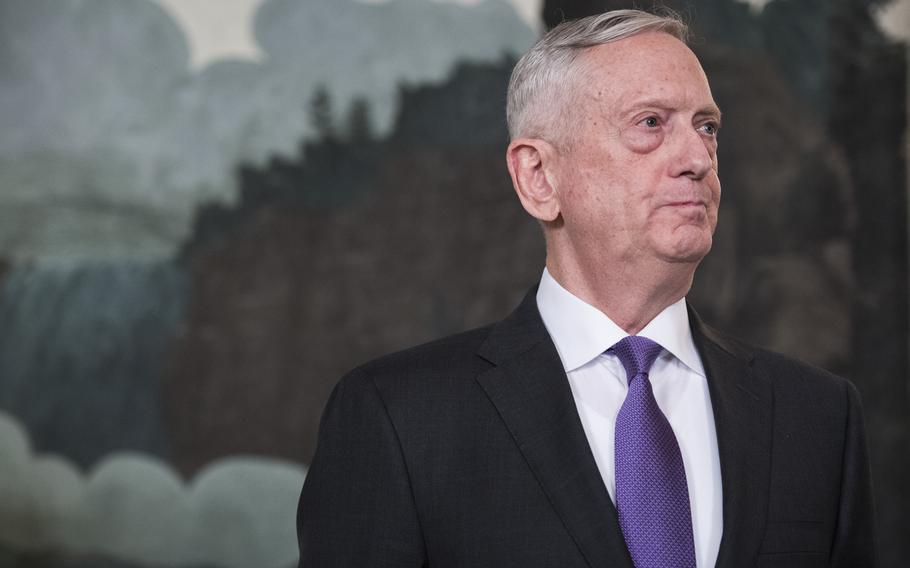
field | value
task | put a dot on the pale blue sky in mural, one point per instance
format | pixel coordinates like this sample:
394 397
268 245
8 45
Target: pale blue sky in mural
230 34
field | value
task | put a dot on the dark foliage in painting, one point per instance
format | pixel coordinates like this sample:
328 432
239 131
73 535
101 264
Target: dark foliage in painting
352 249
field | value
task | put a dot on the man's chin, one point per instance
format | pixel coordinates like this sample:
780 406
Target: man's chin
690 250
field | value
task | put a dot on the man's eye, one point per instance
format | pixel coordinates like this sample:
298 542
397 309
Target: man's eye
710 129
651 122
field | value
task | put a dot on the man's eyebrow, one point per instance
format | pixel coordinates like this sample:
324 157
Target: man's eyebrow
636 106
712 111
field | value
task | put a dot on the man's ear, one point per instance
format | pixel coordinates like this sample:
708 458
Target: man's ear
530 163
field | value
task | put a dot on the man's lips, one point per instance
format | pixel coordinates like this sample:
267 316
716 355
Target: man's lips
692 210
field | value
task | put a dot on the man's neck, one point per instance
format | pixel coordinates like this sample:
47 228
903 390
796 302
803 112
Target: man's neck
630 297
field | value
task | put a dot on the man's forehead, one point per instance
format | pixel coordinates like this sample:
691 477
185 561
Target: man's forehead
652 67
640 54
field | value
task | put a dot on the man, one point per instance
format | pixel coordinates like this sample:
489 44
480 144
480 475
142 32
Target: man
602 423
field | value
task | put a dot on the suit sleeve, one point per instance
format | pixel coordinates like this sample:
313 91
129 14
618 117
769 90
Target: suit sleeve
357 507
854 542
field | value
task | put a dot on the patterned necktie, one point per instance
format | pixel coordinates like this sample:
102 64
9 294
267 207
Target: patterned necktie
651 494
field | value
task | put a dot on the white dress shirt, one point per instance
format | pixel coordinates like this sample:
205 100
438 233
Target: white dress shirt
582 335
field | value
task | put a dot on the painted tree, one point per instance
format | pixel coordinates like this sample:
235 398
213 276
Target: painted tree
359 121
321 114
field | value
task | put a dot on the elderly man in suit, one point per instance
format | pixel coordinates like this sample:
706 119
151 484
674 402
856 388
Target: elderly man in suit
601 424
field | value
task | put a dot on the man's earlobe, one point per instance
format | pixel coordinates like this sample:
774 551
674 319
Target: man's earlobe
530 165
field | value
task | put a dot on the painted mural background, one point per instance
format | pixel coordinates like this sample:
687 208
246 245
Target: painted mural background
196 244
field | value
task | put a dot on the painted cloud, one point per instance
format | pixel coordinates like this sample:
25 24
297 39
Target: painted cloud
236 513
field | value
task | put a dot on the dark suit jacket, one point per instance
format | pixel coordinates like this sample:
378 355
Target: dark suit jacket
469 452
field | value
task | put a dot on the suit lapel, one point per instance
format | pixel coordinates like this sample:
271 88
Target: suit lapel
742 402
530 390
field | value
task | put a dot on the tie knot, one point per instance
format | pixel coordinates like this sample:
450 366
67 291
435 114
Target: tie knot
636 354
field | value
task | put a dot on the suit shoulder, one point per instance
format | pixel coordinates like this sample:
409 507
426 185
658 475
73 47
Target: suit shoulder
783 369
802 393
447 356
789 368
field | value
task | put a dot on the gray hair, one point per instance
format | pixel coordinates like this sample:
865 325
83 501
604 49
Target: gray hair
536 99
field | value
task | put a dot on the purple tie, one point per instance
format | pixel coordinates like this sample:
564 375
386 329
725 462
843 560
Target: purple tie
651 494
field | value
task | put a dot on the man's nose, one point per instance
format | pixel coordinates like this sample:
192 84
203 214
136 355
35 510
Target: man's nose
693 158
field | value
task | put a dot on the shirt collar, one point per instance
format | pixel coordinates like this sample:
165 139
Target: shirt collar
581 332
